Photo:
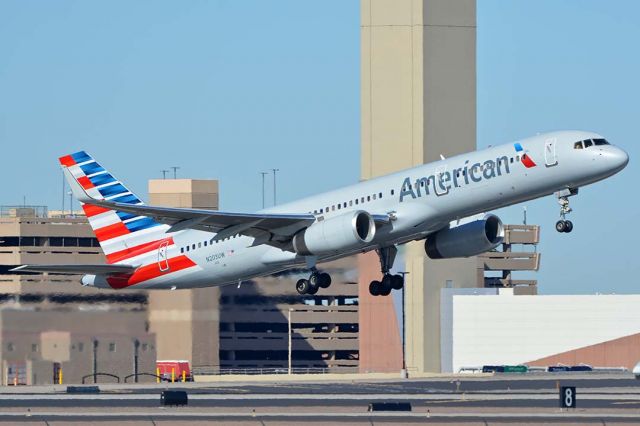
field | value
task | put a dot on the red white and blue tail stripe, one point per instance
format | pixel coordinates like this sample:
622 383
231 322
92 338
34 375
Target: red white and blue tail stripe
125 238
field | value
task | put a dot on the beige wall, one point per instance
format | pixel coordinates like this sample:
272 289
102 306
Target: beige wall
190 193
186 322
418 97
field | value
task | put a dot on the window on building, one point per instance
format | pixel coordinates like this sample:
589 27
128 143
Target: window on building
34 347
10 347
145 347
80 346
112 347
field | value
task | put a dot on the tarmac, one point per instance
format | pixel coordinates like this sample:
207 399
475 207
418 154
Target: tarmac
463 399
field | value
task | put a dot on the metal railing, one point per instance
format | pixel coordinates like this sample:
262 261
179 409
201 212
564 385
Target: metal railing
215 370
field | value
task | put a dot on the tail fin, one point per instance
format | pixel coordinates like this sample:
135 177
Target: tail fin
124 237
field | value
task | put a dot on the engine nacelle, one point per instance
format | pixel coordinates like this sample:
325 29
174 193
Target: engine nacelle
466 240
348 231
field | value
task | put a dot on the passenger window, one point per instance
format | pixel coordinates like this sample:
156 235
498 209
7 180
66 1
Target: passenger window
187 248
350 203
517 158
362 200
374 196
205 243
333 208
345 205
181 249
578 145
511 160
193 246
380 195
369 196
199 245
356 201
587 143
392 192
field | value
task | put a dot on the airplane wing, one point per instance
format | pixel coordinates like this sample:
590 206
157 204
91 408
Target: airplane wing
78 269
266 228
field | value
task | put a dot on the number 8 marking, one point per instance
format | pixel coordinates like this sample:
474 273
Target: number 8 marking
568 398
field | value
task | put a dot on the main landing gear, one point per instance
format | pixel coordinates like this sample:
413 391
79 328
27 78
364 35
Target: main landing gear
564 225
389 282
316 281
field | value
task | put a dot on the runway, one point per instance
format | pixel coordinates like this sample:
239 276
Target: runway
456 400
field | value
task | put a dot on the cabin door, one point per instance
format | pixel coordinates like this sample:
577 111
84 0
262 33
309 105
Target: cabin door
550 156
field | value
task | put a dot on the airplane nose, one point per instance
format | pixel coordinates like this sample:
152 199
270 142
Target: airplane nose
619 158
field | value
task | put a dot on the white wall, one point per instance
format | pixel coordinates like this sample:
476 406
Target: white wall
503 329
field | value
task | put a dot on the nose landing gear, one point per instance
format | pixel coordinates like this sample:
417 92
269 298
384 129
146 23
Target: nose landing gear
389 282
564 225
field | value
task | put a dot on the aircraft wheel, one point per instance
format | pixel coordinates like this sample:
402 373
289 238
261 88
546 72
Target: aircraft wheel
374 288
324 280
568 226
303 286
314 289
397 282
561 226
386 285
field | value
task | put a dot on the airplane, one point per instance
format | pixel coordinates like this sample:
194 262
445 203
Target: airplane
442 203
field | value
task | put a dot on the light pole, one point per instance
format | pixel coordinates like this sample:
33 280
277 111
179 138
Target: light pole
164 173
263 175
274 185
404 326
289 352
175 171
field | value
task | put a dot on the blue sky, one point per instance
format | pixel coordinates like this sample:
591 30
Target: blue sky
226 89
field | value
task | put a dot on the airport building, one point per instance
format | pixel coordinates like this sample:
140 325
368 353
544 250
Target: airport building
51 328
259 320
495 327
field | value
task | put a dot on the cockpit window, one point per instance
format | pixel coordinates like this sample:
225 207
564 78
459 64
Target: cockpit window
600 142
578 145
587 143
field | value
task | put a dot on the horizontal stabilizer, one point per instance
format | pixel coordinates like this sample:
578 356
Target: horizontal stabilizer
78 269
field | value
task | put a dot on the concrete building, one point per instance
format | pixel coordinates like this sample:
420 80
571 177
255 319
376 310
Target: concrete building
49 323
495 327
185 322
254 323
418 101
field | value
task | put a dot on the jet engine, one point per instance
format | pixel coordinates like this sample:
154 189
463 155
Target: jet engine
466 240
347 231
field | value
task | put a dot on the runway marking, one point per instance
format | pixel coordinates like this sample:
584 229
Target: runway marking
164 414
323 397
